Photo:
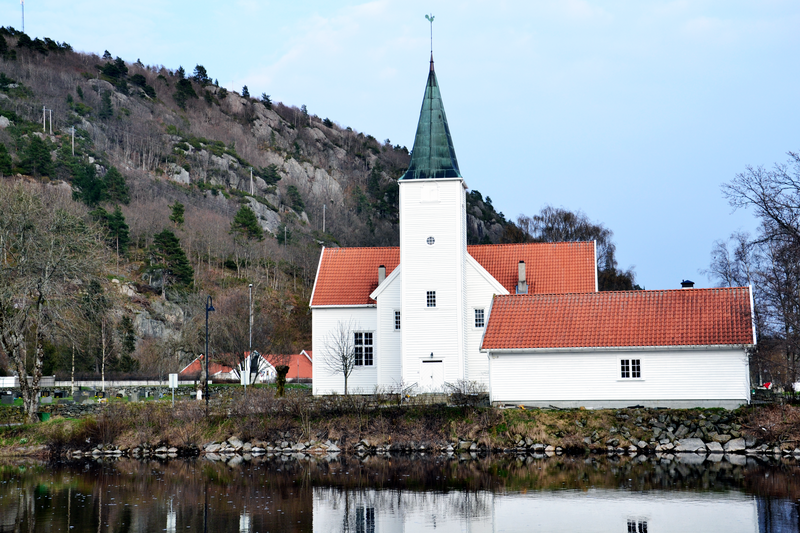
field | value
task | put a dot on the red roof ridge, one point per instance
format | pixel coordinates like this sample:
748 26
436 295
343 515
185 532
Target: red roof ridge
643 291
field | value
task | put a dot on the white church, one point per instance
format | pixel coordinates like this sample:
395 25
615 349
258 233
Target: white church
524 320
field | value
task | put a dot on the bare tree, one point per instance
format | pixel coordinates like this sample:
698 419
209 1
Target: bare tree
48 252
340 350
770 261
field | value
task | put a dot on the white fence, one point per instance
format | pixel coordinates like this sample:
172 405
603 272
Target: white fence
11 382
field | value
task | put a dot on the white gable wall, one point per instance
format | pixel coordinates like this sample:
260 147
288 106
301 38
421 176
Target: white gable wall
324 322
433 208
691 377
389 342
481 287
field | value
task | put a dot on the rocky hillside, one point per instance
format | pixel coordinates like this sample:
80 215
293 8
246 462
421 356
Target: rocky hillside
191 155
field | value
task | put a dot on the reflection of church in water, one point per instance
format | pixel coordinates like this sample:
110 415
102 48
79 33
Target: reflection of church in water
595 510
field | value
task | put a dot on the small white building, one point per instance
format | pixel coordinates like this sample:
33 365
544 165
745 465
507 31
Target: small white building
417 313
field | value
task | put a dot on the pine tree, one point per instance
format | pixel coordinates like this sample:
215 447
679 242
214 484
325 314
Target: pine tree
245 224
87 187
245 92
116 190
36 159
5 161
201 75
178 210
118 232
106 109
171 258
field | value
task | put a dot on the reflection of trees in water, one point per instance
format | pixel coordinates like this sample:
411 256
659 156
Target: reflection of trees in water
275 494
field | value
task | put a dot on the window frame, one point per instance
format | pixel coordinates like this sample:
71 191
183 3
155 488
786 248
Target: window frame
397 320
430 298
630 369
482 311
363 352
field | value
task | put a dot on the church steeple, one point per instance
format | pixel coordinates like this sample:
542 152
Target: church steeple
433 155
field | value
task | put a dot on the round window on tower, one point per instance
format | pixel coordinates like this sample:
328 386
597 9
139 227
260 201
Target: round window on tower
430 241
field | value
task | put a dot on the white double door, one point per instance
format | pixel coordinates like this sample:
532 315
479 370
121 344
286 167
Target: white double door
431 376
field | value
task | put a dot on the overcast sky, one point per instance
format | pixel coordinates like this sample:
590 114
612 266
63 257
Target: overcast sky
631 111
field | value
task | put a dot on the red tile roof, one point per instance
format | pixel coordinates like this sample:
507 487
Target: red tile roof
196 367
549 267
299 365
347 276
683 317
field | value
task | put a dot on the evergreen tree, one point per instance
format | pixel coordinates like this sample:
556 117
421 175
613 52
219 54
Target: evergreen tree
178 210
87 187
266 100
116 190
36 158
245 92
126 363
295 200
171 259
118 232
201 75
5 161
245 224
180 73
106 109
184 91
107 55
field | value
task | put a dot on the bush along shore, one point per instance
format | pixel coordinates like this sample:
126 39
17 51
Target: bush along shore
261 423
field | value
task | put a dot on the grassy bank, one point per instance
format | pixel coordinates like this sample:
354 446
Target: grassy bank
347 420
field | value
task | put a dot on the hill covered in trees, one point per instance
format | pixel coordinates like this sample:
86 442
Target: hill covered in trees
197 191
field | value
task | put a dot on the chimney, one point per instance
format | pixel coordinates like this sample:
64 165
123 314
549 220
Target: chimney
687 284
522 285
381 274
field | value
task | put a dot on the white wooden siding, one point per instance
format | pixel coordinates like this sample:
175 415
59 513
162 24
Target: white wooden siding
479 296
437 268
323 322
388 350
592 378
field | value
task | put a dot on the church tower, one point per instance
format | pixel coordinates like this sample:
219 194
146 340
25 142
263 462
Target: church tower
433 248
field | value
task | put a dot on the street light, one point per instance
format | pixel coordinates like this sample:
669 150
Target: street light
209 308
251 317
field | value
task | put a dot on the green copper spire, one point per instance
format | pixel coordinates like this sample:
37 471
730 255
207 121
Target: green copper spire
433 155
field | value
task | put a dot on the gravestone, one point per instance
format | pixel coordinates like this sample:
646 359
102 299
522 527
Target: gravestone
60 394
44 400
7 399
134 397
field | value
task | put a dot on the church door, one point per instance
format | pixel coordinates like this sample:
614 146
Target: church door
431 376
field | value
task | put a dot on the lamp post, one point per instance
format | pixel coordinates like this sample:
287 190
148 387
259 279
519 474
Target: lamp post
251 318
209 308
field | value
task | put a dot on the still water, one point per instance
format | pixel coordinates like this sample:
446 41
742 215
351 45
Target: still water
402 494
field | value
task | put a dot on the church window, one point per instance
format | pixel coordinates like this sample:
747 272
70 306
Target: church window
431 298
479 319
631 368
397 320
430 241
363 348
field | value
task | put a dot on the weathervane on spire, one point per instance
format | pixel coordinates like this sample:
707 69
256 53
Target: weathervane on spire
430 19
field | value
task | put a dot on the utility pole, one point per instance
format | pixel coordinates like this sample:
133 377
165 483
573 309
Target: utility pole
73 141
51 121
323 217
44 119
251 181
